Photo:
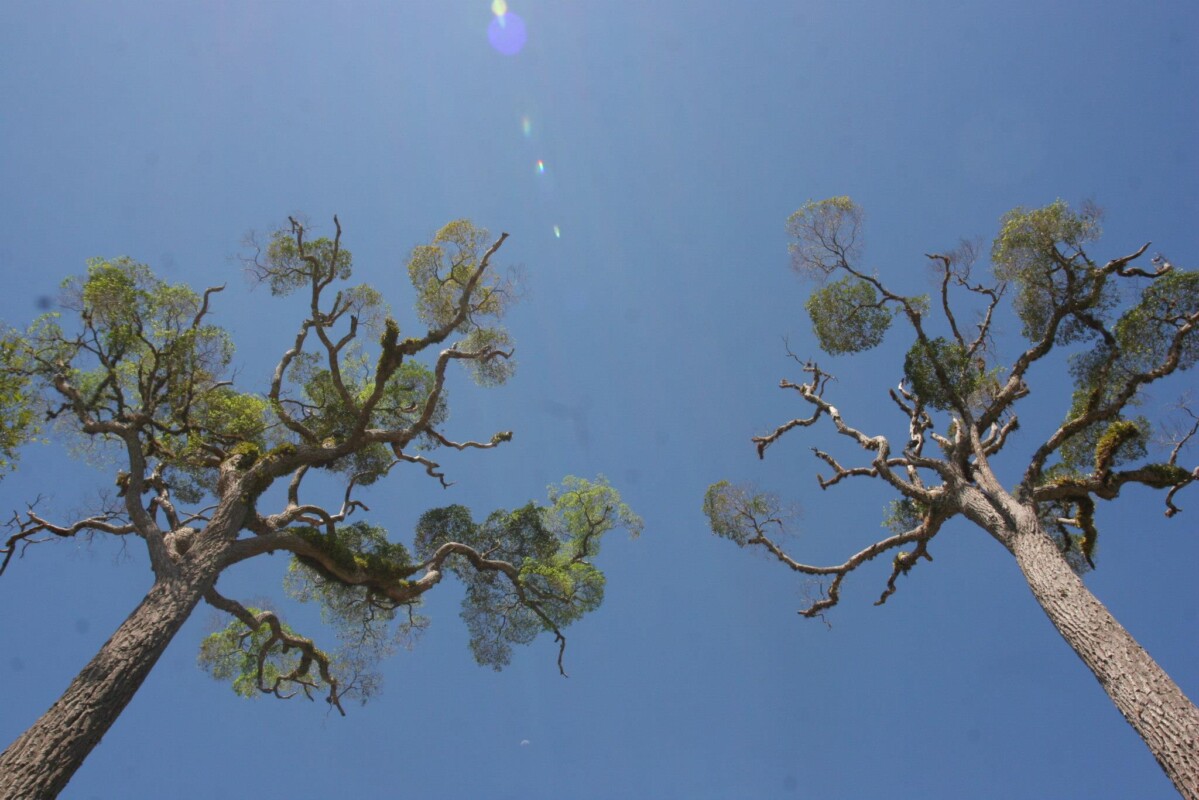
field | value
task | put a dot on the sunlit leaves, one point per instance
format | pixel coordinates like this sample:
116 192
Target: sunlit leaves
1156 335
18 421
848 316
739 513
235 654
287 267
827 235
356 547
962 373
548 548
492 366
229 414
147 348
1146 332
582 511
368 624
1041 252
441 272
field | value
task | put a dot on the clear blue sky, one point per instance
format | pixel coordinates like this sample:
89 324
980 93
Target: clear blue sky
676 137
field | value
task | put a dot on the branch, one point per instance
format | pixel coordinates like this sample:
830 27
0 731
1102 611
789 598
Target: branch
922 533
32 524
309 652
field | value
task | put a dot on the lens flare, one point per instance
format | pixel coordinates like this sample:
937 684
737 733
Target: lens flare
499 8
557 232
526 126
540 167
506 32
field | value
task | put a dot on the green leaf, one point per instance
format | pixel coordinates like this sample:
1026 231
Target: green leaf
847 316
285 269
738 513
18 419
963 373
1041 252
232 653
441 271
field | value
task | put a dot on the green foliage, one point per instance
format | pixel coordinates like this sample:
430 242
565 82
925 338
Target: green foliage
827 235
150 356
285 269
441 270
549 548
582 511
1041 252
493 370
737 513
358 546
229 415
904 514
447 524
963 373
331 419
1141 344
1146 331
18 420
232 654
367 623
848 316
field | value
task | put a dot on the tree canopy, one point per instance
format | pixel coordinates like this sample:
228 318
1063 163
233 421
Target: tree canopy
1119 325
214 473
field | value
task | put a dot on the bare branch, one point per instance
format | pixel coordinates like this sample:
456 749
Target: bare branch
211 290
26 528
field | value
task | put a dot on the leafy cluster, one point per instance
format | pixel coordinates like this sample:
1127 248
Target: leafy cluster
964 374
848 316
18 417
1128 325
246 659
547 580
738 513
1041 252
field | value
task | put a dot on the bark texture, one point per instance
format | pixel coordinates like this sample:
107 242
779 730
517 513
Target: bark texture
1147 697
41 761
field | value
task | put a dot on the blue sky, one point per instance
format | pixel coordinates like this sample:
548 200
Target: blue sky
676 138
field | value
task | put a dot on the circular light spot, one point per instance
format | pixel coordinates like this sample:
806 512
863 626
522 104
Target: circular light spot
499 8
507 34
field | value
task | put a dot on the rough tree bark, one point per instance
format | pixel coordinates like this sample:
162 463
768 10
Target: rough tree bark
1148 698
44 758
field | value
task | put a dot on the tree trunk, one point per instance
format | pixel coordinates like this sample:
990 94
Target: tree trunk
1146 696
41 761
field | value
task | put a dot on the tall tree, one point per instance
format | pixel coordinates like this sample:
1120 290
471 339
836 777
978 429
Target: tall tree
1123 327
147 374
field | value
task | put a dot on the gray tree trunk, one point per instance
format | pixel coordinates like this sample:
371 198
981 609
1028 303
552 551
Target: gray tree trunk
1146 696
41 761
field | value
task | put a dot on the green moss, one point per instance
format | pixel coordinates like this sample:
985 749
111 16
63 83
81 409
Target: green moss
391 334
284 450
1165 475
386 563
247 453
1117 434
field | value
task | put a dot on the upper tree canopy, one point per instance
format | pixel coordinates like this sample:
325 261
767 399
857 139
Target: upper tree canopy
1122 327
135 362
